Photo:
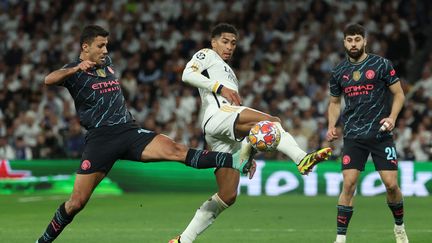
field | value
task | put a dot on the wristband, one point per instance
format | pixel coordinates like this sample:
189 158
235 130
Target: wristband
219 89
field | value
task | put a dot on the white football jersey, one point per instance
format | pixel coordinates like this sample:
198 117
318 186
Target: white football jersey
206 71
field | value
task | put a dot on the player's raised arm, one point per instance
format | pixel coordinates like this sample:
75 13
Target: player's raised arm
192 74
58 76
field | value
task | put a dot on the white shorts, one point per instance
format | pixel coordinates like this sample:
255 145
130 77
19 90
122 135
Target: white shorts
219 129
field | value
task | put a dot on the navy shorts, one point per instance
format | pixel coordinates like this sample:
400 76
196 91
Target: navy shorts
356 153
105 145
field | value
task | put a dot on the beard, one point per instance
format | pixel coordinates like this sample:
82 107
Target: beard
355 54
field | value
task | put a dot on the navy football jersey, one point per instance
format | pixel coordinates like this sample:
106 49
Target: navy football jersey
368 99
98 98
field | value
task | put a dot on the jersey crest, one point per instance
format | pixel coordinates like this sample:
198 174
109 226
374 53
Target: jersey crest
356 75
370 74
101 73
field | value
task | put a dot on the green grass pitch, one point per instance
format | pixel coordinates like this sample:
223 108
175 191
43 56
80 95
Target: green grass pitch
158 217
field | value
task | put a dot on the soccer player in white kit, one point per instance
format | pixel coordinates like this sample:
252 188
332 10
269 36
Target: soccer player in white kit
225 124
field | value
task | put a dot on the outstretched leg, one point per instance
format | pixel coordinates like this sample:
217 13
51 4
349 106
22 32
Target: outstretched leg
287 145
83 188
200 159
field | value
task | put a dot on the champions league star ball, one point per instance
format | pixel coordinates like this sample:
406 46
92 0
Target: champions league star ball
264 136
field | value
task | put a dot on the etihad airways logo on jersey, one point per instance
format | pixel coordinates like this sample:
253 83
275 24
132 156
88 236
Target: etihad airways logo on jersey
106 86
356 90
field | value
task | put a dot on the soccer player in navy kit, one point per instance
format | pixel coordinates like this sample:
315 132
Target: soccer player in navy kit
373 99
112 133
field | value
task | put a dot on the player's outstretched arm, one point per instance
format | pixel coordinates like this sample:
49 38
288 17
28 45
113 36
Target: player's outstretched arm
56 77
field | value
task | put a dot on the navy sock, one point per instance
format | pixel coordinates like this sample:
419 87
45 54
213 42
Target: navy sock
56 226
398 211
203 159
344 214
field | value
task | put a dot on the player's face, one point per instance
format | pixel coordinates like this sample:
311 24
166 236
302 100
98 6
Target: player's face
224 45
354 46
97 50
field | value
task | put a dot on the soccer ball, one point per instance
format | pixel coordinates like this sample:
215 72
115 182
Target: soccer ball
264 136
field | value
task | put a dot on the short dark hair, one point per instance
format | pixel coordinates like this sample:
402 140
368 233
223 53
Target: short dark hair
90 32
354 29
223 28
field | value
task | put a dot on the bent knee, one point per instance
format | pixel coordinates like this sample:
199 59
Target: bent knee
176 151
392 188
267 117
274 119
228 198
349 189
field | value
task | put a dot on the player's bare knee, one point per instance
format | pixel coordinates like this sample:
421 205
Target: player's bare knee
228 198
176 152
274 119
74 205
392 188
267 117
349 189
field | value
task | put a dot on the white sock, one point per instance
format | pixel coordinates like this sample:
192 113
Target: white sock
340 238
289 146
402 226
203 218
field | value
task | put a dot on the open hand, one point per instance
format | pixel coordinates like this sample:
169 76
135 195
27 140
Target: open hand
231 95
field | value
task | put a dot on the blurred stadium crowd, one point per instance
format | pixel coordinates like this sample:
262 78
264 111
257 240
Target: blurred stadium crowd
283 60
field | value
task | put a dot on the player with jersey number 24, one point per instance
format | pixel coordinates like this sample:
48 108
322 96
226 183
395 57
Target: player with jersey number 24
366 82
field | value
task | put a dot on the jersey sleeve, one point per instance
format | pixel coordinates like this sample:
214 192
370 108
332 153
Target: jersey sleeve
192 74
334 87
67 81
389 73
